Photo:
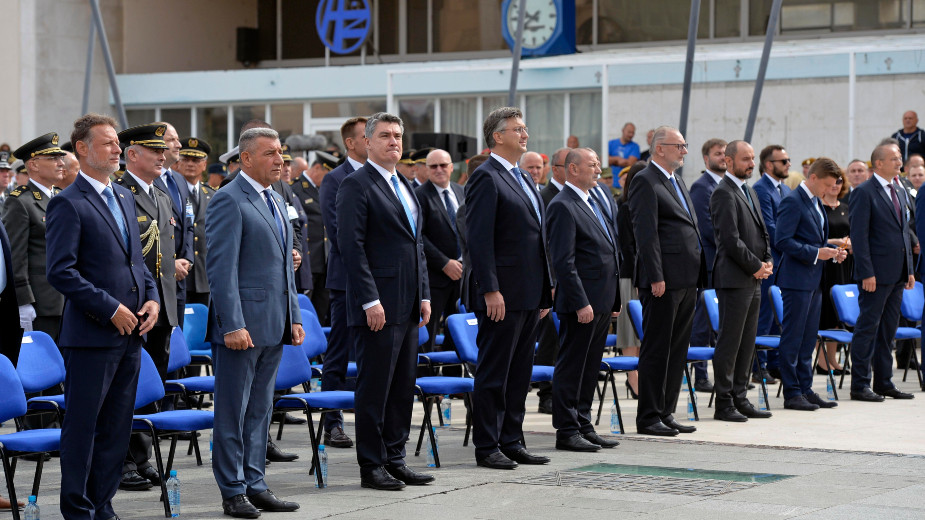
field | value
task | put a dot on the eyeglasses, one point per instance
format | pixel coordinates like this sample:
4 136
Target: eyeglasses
518 130
441 165
680 146
558 166
782 161
839 182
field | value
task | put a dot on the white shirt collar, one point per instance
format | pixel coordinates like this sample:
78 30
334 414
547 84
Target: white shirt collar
309 179
806 189
883 182
353 162
557 184
43 189
254 184
382 171
584 196
144 185
97 185
504 162
738 182
192 187
774 181
659 166
716 177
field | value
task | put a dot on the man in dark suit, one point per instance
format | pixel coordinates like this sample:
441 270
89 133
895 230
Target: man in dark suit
174 186
340 340
509 289
380 236
254 313
306 189
743 259
10 331
111 302
472 164
557 181
802 228
419 167
40 304
193 156
585 259
882 246
669 270
440 200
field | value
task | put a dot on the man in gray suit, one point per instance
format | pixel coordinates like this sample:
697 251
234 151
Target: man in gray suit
254 312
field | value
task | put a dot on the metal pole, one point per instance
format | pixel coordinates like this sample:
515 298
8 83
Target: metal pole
852 82
90 47
762 68
518 46
689 68
107 57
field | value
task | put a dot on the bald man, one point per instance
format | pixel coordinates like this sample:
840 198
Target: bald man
911 138
532 163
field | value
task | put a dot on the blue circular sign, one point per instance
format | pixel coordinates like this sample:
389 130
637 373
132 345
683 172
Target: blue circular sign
343 25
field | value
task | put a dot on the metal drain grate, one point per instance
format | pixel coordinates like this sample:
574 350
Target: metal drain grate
638 483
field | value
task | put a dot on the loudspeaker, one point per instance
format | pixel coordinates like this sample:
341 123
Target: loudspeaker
247 50
460 147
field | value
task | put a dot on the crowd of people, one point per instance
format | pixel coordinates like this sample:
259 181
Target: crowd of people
106 239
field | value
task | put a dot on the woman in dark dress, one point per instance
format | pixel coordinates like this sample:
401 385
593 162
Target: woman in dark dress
835 274
627 342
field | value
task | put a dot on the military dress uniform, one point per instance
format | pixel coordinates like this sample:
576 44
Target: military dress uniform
197 283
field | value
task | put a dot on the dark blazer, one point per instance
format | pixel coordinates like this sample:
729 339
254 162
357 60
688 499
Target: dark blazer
198 279
24 218
10 331
507 244
627 241
908 202
440 244
286 193
183 239
548 193
667 239
798 240
701 190
584 258
314 232
920 230
383 259
337 277
742 242
880 241
89 264
770 200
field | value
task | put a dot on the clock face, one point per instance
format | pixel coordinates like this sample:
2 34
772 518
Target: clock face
539 25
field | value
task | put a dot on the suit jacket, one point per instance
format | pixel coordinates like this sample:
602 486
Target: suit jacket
337 277
742 242
383 259
162 252
880 241
507 244
198 279
288 197
183 238
701 191
548 193
250 267
303 275
585 259
89 264
908 202
440 244
770 199
10 331
667 240
24 218
627 241
798 240
467 260
919 228
310 199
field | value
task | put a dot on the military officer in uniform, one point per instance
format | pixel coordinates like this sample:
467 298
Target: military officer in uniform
405 166
419 170
6 176
193 155
40 305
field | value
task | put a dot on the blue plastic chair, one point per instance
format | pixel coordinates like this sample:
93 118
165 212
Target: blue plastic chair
195 326
21 443
845 300
913 305
188 387
464 337
41 367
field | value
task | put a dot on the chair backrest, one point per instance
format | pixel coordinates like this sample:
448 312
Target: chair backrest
845 298
179 355
777 303
195 325
294 368
464 329
635 308
315 343
913 303
306 303
40 364
150 387
460 307
555 320
423 336
711 303
13 397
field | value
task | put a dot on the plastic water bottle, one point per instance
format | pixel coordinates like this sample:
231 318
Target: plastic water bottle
31 512
614 419
691 416
323 463
173 493
211 443
431 460
447 411
762 401
829 388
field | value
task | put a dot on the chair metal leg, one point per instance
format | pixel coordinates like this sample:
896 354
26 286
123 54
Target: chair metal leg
433 440
417 450
831 377
10 489
194 440
38 474
316 461
616 401
467 401
279 432
690 392
600 405
159 461
439 411
846 365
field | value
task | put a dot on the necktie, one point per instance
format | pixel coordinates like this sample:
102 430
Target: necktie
677 188
195 193
116 213
523 184
404 204
895 202
748 197
600 217
780 189
451 212
819 216
597 190
279 222
174 191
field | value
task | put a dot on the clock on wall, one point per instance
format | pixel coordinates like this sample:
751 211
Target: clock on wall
549 26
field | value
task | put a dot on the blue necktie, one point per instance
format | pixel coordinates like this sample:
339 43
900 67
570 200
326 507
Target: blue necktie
452 214
116 214
174 192
404 204
680 195
597 190
819 215
523 184
600 217
279 222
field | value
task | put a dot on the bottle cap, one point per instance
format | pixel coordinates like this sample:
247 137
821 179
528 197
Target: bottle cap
32 498
173 473
321 447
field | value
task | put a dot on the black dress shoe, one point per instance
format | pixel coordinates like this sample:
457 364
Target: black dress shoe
336 438
289 419
594 438
703 385
671 423
799 402
775 372
150 473
522 456
132 481
545 406
239 506
896 394
277 455
658 428
867 395
764 374
748 410
576 442
814 398
267 501
379 479
729 414
409 476
496 460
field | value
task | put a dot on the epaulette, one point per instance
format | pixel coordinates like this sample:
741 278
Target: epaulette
19 190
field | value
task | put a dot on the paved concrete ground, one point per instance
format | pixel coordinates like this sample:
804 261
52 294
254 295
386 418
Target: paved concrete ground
860 460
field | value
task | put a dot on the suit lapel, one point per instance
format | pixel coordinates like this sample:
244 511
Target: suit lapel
515 185
887 200
589 215
814 215
674 194
260 203
391 196
96 201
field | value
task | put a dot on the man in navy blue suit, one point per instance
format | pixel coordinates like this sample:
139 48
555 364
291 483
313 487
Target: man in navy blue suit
882 246
174 185
380 237
340 342
10 330
509 289
111 302
802 228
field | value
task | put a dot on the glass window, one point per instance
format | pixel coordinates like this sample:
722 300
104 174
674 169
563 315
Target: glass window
726 18
918 13
388 26
585 119
457 116
828 15
653 20
180 118
490 103
300 37
584 19
348 109
245 113
544 117
266 29
139 116
417 115
286 119
212 126
466 26
416 20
